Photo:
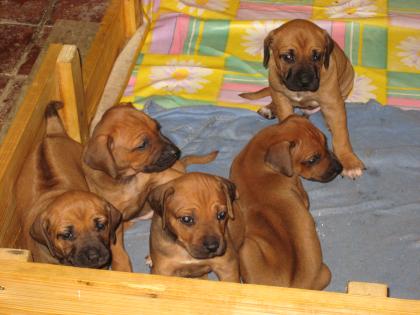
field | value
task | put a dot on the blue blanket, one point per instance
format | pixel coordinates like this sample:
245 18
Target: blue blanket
369 228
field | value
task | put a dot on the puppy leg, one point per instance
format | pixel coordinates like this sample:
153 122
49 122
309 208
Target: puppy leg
335 117
282 106
323 279
120 259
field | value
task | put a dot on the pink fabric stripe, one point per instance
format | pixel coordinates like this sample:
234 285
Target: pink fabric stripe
399 101
339 33
241 87
232 96
181 33
162 34
271 7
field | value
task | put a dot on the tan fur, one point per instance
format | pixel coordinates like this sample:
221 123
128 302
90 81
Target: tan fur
178 249
123 174
53 199
276 235
336 75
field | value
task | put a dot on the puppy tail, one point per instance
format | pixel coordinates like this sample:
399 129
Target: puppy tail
257 94
199 159
54 123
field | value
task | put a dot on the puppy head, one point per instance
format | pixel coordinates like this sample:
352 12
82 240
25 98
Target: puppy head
78 228
304 152
299 49
126 142
194 209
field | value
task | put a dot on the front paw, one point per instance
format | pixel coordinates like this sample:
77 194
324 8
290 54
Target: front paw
352 166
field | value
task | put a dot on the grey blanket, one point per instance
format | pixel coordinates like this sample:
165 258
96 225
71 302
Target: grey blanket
369 228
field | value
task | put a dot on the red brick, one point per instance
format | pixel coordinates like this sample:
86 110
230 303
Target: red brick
79 10
26 11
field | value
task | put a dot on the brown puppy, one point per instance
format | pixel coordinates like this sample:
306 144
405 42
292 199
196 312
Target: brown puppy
62 222
126 158
188 236
281 246
308 70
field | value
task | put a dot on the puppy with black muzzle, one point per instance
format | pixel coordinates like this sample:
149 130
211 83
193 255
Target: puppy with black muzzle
126 157
189 236
62 222
308 70
275 233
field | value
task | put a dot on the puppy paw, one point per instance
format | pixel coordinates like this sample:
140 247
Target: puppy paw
352 166
266 112
148 261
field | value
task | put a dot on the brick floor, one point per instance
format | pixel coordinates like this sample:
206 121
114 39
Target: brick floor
24 28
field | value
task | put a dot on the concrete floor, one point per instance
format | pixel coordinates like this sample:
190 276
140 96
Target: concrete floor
26 29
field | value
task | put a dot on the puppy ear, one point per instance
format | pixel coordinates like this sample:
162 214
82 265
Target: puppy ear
278 157
329 46
267 43
98 155
157 199
114 219
39 231
231 194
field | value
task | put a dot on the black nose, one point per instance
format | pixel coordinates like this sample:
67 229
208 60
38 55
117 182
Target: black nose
305 78
337 166
92 255
211 244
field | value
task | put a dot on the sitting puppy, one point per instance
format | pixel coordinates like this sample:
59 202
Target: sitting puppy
126 157
280 245
308 70
62 222
188 236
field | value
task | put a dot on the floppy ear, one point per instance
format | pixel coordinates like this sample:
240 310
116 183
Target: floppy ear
329 46
98 155
231 194
39 231
157 199
114 219
267 43
278 157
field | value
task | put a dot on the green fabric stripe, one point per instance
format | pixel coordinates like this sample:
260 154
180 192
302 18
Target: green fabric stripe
403 79
190 41
170 101
405 94
242 66
352 42
403 4
244 79
374 49
214 38
139 59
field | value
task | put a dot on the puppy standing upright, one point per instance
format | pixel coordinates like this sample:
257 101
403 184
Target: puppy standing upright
308 70
280 244
62 222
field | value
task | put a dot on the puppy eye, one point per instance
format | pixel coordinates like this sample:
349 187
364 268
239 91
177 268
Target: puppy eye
187 220
66 235
289 58
100 226
142 146
316 56
221 215
312 160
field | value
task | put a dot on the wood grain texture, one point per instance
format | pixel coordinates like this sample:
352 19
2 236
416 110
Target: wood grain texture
132 16
13 254
52 289
366 288
24 130
72 93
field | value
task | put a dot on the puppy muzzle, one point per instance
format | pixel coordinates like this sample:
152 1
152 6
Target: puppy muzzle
335 169
95 256
210 247
306 79
170 154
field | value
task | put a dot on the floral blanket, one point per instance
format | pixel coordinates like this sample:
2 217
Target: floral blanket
201 52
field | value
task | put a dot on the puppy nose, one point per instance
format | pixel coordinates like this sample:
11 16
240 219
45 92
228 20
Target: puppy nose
92 254
306 78
211 244
337 166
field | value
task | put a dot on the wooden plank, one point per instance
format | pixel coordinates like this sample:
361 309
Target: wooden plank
367 288
132 16
28 123
72 93
105 48
52 289
14 254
